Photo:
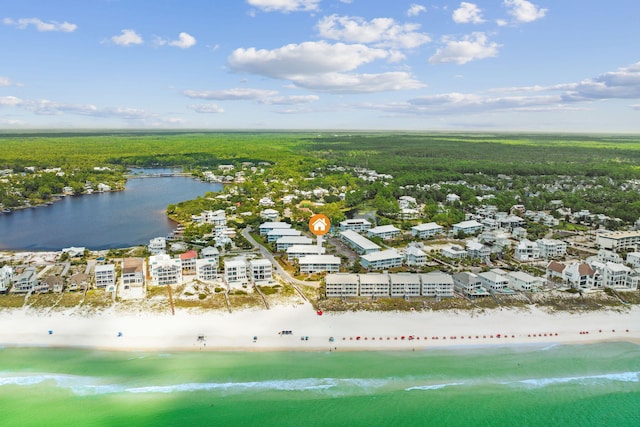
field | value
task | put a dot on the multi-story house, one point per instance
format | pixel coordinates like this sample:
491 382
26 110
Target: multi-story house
165 270
261 271
105 276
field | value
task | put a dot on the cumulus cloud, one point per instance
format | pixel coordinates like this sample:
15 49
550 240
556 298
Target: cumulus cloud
40 25
234 94
470 48
467 13
206 108
524 11
127 38
381 32
359 83
285 6
308 58
622 84
416 9
185 41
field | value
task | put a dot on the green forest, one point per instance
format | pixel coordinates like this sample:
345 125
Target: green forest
599 172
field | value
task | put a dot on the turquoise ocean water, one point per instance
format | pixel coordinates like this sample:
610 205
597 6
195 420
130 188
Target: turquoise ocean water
590 385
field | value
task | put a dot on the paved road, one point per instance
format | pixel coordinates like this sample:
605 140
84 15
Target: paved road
279 270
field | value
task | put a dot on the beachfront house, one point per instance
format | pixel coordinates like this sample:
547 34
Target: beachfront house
53 283
6 273
105 276
437 284
188 262
405 285
79 282
165 270
235 273
261 271
384 232
26 281
616 276
493 281
381 260
338 285
133 272
319 264
469 284
522 281
356 224
374 285
425 231
579 275
358 243
207 268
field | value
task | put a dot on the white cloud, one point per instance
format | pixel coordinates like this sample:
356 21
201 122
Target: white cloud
524 11
623 83
207 108
230 94
10 101
290 100
128 37
470 48
359 83
185 41
308 58
12 122
285 6
5 81
40 25
501 22
48 107
467 13
382 32
416 9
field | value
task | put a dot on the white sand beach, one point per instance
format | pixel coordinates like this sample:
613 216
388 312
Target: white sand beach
223 331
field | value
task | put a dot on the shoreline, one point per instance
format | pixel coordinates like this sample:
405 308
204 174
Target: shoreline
353 331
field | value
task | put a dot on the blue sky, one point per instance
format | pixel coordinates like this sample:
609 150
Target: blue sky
531 65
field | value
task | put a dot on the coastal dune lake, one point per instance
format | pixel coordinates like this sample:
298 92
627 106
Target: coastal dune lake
102 220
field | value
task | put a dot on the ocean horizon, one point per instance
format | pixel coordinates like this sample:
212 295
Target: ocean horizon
535 385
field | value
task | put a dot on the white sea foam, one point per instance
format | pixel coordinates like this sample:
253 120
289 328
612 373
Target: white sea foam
622 377
432 386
